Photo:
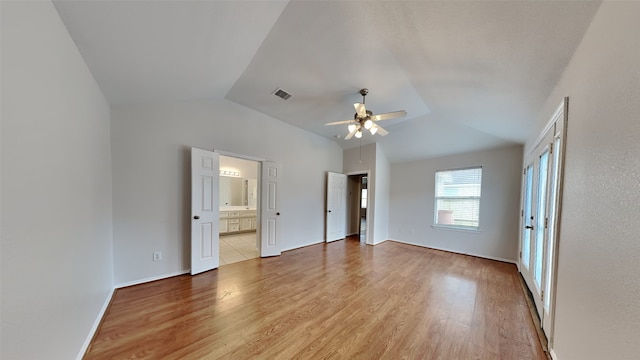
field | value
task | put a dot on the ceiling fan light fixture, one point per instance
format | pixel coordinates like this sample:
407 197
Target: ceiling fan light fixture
365 119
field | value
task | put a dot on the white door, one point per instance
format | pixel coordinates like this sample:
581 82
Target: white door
270 209
527 219
552 235
336 206
535 220
204 210
542 192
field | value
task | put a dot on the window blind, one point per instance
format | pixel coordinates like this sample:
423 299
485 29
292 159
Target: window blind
457 200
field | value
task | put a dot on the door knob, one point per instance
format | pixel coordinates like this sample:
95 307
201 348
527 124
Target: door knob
278 213
196 217
529 227
328 210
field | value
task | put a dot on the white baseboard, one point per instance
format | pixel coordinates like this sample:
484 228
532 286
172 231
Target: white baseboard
153 278
459 252
96 323
553 354
301 246
383 241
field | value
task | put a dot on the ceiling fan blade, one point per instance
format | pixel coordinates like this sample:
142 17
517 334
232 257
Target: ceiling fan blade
390 115
341 122
360 110
381 131
350 135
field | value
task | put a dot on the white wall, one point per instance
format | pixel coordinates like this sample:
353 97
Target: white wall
382 189
151 177
598 287
57 266
413 195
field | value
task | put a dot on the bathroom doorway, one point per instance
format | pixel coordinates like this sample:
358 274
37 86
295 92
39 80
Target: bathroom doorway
238 200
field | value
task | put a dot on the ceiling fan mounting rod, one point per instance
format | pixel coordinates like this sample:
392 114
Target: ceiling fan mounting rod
364 92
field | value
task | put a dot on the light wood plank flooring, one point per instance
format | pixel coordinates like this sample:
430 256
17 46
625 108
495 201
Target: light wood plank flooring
341 300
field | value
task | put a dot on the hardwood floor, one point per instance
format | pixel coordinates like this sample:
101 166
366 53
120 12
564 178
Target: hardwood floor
341 300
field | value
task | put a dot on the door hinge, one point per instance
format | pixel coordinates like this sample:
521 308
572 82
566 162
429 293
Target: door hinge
520 254
546 223
551 148
524 171
542 295
521 212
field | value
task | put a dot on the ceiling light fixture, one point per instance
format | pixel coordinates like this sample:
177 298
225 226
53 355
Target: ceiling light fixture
365 119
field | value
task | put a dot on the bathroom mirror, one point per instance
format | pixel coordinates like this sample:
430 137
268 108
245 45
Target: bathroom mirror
238 192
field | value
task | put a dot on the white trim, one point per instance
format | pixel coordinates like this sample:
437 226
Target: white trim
380 242
239 156
153 278
458 252
553 354
95 326
554 118
456 228
359 172
303 246
370 222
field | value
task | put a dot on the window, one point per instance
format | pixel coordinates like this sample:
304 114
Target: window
363 197
458 198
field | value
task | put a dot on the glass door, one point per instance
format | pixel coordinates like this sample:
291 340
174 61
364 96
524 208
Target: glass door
534 219
527 218
541 205
541 219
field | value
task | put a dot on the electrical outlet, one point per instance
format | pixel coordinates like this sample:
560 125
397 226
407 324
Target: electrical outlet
157 256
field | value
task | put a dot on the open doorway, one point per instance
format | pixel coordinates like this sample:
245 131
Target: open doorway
205 209
238 201
357 205
362 223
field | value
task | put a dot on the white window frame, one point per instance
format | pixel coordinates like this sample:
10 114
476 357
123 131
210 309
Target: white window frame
436 198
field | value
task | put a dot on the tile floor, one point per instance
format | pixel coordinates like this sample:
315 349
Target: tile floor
237 247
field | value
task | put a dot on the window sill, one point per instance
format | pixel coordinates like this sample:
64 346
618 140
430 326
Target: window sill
455 228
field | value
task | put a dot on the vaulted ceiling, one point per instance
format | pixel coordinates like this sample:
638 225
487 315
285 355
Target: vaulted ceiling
471 75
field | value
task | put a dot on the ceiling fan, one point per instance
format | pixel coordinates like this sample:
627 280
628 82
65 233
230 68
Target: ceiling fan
364 119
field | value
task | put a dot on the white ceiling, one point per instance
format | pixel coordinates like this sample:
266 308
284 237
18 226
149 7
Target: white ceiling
471 74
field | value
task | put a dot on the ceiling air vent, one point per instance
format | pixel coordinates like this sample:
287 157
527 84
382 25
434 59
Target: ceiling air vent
282 94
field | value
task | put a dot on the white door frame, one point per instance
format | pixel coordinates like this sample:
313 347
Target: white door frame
368 231
556 130
261 219
261 238
560 119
